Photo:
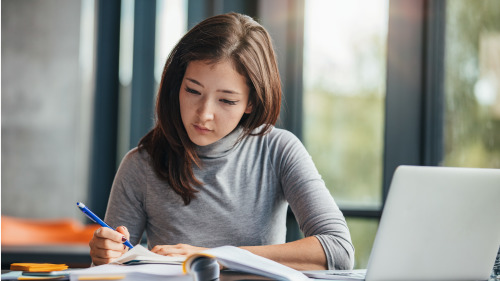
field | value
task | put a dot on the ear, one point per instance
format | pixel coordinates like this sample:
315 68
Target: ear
249 108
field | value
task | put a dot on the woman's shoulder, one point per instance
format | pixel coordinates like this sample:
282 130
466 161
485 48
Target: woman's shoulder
278 141
285 144
136 158
280 137
137 154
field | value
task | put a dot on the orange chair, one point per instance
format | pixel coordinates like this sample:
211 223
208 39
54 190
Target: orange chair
23 231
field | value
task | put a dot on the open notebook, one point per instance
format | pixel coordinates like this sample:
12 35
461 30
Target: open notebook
141 255
141 264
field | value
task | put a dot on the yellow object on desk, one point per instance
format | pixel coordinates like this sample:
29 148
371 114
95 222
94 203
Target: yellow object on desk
37 267
42 277
102 277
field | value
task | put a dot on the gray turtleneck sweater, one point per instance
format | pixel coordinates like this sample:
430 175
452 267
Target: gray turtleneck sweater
246 190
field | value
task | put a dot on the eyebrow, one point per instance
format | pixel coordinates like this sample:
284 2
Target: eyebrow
219 90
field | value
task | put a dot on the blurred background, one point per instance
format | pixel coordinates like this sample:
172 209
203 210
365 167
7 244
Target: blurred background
368 85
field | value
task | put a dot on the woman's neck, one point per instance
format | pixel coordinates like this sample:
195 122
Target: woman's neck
221 147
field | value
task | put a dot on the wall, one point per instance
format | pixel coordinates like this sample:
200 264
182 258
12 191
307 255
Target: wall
45 112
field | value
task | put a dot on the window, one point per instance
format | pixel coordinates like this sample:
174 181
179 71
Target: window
143 54
344 96
472 84
171 25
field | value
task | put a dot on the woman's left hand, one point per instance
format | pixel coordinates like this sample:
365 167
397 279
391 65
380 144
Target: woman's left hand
179 250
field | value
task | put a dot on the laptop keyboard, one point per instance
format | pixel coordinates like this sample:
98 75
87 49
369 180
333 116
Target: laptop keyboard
337 274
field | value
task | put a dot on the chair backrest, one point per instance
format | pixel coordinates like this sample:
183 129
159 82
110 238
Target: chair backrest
24 231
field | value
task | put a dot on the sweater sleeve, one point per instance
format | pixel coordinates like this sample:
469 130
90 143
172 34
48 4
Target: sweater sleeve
126 200
314 208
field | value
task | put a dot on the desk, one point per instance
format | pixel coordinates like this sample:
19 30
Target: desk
225 276
75 256
78 257
236 276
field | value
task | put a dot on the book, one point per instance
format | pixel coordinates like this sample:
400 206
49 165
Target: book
237 259
232 258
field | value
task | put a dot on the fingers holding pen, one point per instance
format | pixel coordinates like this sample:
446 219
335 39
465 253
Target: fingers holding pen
109 239
103 256
106 245
123 230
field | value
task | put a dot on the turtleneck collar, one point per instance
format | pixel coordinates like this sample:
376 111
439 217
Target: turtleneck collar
221 147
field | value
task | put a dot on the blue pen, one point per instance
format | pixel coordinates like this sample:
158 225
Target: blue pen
96 219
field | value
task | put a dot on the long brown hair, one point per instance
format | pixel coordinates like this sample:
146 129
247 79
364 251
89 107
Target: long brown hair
230 36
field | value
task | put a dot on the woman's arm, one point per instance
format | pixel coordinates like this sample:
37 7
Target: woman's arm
126 200
317 214
123 211
303 254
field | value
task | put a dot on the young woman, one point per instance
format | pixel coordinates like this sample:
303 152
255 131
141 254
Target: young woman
214 170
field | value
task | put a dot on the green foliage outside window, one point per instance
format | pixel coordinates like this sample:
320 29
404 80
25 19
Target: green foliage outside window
472 84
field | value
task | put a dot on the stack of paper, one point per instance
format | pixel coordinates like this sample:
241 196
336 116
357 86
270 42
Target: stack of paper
20 275
150 272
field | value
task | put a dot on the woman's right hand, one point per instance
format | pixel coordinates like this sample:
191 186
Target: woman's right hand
107 244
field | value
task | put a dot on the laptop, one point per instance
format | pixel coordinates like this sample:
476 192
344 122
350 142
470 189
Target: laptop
438 223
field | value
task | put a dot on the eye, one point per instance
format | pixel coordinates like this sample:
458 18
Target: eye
230 102
192 91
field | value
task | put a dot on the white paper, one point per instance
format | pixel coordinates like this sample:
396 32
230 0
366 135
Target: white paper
133 272
139 253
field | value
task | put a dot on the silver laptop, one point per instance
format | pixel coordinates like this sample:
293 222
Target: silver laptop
438 223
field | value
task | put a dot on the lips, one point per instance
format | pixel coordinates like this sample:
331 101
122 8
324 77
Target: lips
201 129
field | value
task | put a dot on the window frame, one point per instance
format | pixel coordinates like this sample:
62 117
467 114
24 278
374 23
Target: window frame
105 108
414 99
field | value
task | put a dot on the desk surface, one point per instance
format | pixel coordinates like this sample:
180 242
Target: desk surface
225 276
236 276
76 256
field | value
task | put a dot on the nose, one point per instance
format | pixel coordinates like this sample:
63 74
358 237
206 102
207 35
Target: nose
205 110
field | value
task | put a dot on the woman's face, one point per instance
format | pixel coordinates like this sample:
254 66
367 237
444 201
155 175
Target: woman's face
213 98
